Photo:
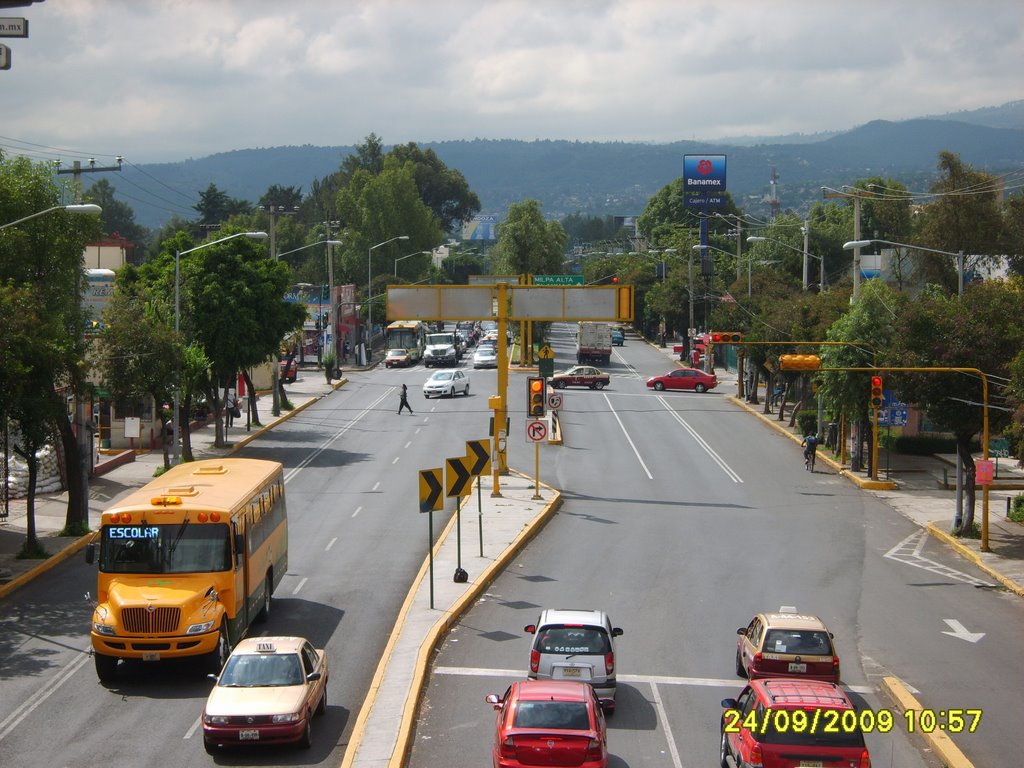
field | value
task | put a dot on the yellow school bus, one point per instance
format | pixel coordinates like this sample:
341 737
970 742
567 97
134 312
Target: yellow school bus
188 562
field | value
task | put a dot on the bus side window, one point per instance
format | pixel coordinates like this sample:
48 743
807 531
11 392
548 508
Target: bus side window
239 546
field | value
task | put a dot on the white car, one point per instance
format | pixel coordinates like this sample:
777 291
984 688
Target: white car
446 382
485 357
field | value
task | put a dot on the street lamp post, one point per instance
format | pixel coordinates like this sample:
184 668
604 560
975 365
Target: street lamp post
418 253
175 417
959 256
369 303
330 284
73 208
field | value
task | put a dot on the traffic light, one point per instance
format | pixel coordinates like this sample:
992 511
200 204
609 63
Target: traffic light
615 279
877 397
729 337
535 396
799 362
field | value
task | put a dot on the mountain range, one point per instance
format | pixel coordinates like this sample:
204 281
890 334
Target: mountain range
615 178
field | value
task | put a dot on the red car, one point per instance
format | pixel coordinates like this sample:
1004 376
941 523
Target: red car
684 378
787 723
549 722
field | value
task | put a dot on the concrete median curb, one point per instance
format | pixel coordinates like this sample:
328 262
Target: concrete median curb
974 557
447 619
938 740
44 565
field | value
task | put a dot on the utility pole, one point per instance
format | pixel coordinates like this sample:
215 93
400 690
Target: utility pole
856 195
807 233
275 211
83 438
332 321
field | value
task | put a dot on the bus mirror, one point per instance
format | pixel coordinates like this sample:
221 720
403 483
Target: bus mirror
90 552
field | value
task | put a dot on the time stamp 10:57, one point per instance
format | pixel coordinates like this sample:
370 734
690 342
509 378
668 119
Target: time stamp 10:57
849 721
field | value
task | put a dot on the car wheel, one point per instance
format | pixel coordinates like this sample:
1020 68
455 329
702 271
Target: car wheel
599 385
700 388
218 657
106 667
264 613
307 734
723 751
660 386
321 708
739 665
465 392
558 384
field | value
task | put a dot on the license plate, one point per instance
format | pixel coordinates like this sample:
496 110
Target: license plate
570 672
254 735
811 764
801 668
150 656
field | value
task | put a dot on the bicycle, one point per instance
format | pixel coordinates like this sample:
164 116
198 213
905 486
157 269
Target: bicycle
809 457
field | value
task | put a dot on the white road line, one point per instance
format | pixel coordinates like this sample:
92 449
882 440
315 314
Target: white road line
408 444
393 461
377 484
702 442
331 542
300 585
663 716
358 510
628 438
14 719
908 552
195 727
337 435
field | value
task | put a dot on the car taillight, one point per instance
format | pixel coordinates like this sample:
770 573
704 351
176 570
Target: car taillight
756 758
534 660
835 667
508 747
865 759
609 663
594 751
756 661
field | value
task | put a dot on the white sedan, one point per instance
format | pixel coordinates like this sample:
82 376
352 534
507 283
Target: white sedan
485 357
446 382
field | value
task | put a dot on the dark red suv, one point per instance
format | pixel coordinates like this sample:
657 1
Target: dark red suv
787 723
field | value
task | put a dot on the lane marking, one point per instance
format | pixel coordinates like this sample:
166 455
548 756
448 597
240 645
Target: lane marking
14 719
195 727
628 438
407 445
393 462
702 442
908 552
331 542
300 585
663 716
358 510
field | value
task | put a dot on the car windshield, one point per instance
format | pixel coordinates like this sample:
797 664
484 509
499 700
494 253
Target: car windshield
396 353
442 376
559 715
587 640
250 670
165 548
802 641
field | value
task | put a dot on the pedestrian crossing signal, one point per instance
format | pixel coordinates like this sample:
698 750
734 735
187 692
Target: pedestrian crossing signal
535 397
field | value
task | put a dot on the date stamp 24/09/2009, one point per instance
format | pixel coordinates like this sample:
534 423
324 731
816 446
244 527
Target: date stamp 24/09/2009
825 721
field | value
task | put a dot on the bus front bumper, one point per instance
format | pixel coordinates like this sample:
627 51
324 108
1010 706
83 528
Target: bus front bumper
154 648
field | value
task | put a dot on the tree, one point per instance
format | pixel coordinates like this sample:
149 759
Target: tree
957 332
444 190
369 157
216 207
118 218
43 256
288 197
1013 232
527 244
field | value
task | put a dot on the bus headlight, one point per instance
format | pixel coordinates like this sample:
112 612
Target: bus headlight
199 629
103 629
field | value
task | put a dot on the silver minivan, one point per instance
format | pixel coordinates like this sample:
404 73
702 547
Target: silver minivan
574 645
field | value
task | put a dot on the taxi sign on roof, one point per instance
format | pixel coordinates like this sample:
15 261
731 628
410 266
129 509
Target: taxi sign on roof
266 646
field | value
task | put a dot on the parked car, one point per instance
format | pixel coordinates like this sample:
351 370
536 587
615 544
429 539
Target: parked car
581 376
575 645
786 645
549 723
684 378
446 382
267 693
485 357
397 358
618 337
289 370
758 727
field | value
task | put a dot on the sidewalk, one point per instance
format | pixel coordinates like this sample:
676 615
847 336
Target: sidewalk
921 489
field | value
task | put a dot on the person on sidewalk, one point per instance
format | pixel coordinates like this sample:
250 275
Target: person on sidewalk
404 402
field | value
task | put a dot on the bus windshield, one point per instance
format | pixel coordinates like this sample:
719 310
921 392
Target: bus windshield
166 548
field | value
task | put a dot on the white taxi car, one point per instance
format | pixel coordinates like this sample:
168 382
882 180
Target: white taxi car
267 693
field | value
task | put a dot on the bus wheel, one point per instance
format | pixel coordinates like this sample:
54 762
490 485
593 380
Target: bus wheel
264 613
218 657
106 667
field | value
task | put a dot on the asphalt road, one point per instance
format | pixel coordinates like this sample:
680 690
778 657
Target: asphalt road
683 517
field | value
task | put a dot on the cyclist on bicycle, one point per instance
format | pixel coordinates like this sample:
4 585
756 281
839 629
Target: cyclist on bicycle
810 446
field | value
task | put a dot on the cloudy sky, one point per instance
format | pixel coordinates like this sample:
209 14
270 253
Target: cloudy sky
166 80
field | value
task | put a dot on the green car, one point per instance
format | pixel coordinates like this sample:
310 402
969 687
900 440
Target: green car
618 337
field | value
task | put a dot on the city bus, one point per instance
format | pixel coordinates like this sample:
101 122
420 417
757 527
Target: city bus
410 335
188 562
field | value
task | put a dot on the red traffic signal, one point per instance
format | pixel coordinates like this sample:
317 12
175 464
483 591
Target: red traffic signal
615 279
727 337
877 395
535 396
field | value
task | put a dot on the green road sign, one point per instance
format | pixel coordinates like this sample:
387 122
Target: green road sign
558 279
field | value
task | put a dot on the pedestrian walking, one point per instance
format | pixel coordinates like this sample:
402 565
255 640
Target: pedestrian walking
404 402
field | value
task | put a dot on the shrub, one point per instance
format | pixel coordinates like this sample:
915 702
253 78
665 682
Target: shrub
1017 508
807 421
